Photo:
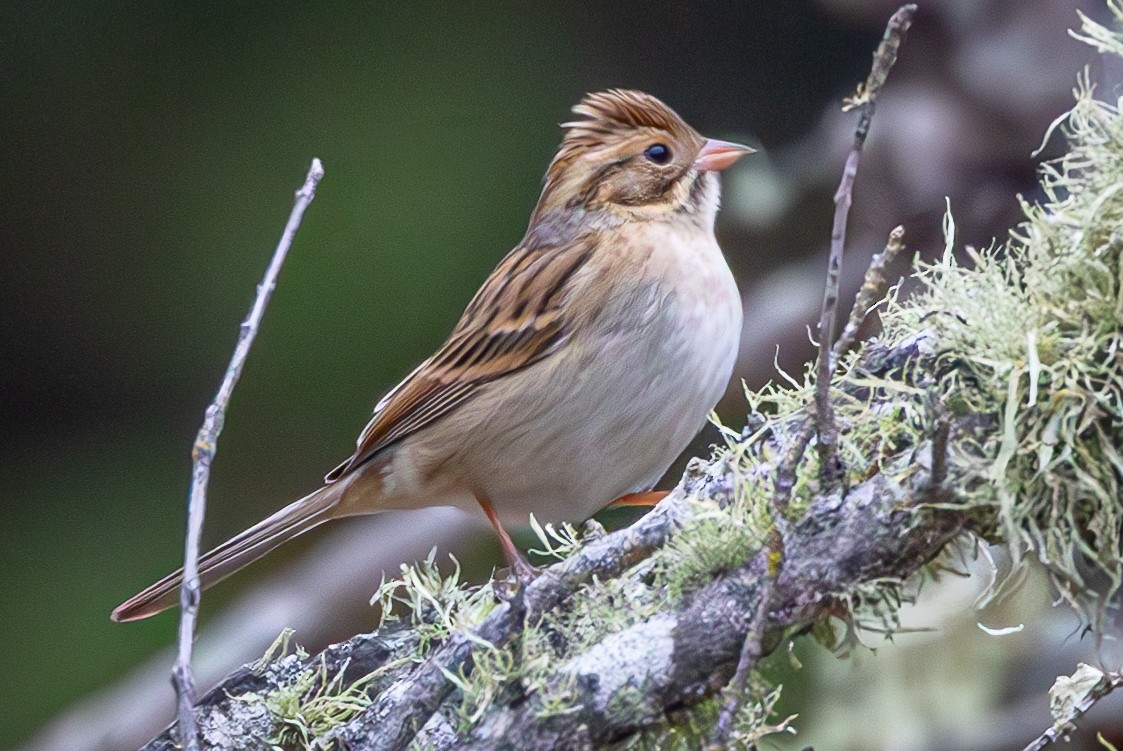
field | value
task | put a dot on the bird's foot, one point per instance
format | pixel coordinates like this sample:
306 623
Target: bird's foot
646 499
519 574
523 571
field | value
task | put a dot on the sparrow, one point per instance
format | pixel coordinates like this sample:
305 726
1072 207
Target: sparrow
579 371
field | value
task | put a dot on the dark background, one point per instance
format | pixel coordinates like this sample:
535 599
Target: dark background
150 154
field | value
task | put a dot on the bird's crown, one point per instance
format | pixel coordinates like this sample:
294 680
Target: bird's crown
596 162
609 116
609 113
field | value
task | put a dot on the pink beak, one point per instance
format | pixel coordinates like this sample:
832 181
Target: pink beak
717 155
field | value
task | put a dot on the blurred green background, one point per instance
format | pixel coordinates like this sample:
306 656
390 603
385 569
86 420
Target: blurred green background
151 151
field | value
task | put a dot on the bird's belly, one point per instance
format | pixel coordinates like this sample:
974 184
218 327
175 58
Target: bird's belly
583 429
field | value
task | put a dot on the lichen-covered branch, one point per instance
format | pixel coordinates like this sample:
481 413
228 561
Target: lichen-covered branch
626 680
1072 696
634 678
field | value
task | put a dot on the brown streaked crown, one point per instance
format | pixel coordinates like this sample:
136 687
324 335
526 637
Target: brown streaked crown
601 156
619 112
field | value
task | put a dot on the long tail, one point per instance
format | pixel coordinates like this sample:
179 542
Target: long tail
296 518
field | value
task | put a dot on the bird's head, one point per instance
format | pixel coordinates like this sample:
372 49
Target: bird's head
633 157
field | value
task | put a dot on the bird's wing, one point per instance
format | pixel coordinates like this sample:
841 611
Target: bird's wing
515 319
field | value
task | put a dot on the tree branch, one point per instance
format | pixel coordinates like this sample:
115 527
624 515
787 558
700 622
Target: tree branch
673 660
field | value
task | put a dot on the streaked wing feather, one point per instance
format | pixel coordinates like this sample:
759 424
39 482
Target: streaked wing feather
514 320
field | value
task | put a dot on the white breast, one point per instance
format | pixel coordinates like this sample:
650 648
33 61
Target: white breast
608 413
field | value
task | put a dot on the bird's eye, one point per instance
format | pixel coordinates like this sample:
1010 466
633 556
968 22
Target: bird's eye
657 153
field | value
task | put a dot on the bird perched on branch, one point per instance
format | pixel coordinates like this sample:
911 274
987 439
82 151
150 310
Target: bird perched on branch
583 366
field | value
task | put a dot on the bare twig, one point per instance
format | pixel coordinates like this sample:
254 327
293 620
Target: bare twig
786 468
863 100
751 651
873 289
940 434
1065 723
202 455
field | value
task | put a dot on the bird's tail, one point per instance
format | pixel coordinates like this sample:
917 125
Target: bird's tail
296 518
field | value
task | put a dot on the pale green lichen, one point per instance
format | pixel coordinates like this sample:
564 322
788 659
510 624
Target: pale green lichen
434 603
690 729
314 703
1028 335
310 700
1035 328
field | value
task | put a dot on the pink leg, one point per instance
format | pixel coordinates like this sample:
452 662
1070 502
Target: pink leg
524 572
646 499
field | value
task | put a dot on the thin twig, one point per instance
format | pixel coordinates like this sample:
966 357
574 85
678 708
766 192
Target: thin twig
830 468
873 289
940 435
786 468
202 455
751 651
1064 725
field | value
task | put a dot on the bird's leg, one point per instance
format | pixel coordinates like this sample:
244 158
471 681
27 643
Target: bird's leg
646 499
524 572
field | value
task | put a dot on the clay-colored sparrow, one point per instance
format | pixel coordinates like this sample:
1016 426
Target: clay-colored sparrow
583 366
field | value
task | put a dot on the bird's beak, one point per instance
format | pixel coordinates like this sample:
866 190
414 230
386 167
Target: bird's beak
717 155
